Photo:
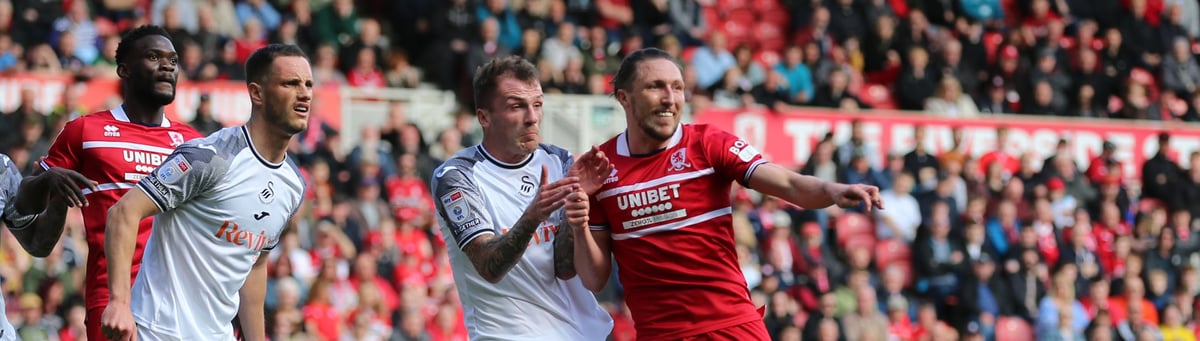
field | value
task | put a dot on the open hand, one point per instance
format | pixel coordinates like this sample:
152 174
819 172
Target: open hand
550 196
847 196
592 168
66 185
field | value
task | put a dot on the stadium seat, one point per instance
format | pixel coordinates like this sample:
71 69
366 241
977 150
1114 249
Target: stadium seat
737 31
1010 328
769 36
1147 205
878 96
853 224
859 241
712 16
780 18
766 6
733 4
767 58
687 54
892 251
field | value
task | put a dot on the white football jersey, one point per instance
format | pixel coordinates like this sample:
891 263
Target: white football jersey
223 205
10 181
476 195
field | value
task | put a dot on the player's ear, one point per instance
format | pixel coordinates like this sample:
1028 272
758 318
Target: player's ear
622 96
122 71
256 93
484 117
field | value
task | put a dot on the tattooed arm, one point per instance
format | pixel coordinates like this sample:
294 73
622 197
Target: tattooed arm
564 246
493 256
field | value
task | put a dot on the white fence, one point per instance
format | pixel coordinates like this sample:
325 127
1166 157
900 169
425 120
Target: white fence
574 122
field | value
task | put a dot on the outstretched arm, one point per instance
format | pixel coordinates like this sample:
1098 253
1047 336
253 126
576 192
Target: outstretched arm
41 207
811 192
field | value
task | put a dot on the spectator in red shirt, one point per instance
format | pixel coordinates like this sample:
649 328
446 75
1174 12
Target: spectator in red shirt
366 71
1008 163
447 325
320 317
1098 168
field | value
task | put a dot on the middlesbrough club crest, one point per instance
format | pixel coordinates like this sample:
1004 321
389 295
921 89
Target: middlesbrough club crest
679 160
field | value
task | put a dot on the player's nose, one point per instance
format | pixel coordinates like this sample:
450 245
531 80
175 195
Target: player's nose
305 94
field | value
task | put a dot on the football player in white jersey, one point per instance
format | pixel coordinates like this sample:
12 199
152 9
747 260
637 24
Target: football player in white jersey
36 220
222 203
506 204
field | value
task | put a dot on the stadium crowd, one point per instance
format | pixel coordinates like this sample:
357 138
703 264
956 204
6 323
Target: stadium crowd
968 248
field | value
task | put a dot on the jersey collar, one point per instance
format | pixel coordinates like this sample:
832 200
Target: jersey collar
119 114
623 141
503 164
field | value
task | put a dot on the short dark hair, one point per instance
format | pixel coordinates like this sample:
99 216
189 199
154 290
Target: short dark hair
624 78
487 76
260 62
130 39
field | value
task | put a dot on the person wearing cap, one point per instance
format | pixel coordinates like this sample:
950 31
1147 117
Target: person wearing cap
1161 176
994 99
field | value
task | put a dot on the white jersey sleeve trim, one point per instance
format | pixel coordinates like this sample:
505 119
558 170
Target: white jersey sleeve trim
750 171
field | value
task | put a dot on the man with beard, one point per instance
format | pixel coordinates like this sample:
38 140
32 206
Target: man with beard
664 211
222 204
116 148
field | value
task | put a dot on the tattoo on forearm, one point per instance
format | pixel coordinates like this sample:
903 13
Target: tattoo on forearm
503 252
564 252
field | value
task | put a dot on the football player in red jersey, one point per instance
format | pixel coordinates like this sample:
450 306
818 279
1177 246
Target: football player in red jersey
664 212
115 148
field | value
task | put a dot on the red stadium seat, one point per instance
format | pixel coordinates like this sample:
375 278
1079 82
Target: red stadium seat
1147 205
712 16
860 241
733 4
1013 329
769 36
687 54
853 224
766 6
878 96
780 18
892 251
737 32
767 58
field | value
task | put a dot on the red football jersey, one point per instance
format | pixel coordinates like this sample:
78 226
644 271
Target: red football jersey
669 214
107 148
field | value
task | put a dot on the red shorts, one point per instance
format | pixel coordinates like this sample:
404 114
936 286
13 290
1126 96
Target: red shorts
749 331
92 321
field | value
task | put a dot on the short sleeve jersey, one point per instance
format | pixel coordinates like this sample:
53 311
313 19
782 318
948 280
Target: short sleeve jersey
478 195
115 152
669 215
222 205
10 182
